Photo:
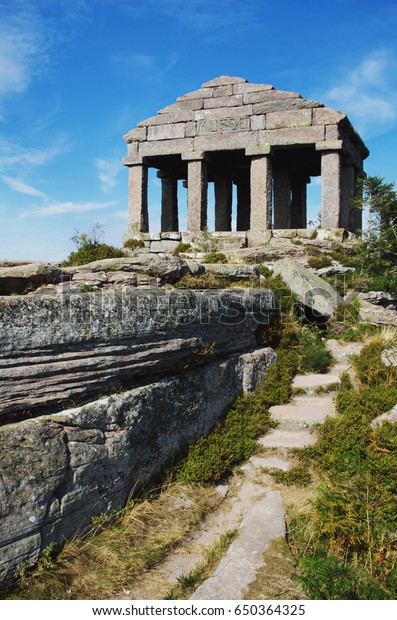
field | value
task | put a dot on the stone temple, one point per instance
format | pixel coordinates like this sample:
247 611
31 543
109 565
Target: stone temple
268 143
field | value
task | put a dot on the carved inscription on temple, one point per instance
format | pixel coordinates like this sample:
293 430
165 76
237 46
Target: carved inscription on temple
232 123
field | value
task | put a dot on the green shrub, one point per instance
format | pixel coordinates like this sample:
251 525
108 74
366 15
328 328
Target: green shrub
232 440
134 244
203 282
91 248
215 257
181 248
318 262
351 552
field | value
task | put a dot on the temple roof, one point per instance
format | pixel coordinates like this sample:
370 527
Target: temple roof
230 110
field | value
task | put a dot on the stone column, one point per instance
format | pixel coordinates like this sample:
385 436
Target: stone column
282 200
331 164
298 202
197 191
243 203
223 204
169 203
261 193
348 188
138 217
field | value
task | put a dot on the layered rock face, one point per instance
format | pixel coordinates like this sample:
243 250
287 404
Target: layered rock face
60 469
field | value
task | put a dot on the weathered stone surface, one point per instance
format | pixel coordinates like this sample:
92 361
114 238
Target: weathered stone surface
61 347
21 278
178 116
170 268
269 95
94 277
58 471
263 523
314 293
233 100
138 135
233 272
326 116
292 136
166 132
223 113
224 79
250 88
290 118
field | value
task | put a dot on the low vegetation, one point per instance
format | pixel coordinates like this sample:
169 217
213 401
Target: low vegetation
90 247
347 545
119 548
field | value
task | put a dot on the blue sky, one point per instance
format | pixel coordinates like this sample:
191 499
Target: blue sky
75 75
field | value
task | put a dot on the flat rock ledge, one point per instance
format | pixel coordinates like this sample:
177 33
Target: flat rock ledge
263 523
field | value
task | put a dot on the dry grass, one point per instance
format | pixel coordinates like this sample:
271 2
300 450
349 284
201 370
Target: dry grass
274 581
104 563
386 337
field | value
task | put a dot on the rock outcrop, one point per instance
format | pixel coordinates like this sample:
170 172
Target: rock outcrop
316 295
169 361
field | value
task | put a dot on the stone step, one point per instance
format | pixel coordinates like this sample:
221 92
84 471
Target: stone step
310 383
270 462
281 438
263 523
303 411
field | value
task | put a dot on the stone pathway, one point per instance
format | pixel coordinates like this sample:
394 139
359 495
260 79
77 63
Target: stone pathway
265 520
250 503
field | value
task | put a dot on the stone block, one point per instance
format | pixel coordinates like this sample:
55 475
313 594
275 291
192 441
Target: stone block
223 102
255 238
166 147
326 116
224 80
188 104
230 124
191 129
203 93
174 236
179 116
166 132
165 245
329 145
221 113
133 135
97 277
306 233
278 105
222 91
250 88
291 136
132 150
333 132
225 141
263 149
258 122
284 233
269 95
289 118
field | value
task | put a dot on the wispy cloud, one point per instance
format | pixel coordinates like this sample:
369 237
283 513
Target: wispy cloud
368 93
60 208
21 42
13 154
153 67
23 188
108 172
209 17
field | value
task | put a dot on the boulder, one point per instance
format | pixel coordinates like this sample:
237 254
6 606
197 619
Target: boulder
169 268
233 272
317 296
21 279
